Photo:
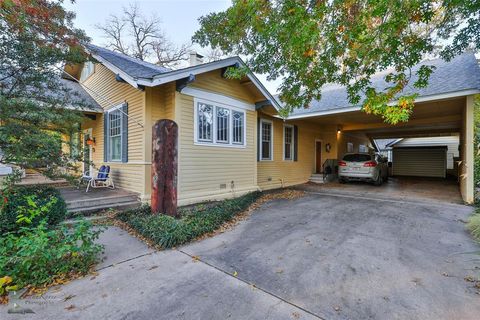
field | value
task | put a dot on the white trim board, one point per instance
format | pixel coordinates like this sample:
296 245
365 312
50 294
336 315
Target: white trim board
217 98
214 143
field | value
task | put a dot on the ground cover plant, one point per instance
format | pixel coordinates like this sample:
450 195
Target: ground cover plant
167 232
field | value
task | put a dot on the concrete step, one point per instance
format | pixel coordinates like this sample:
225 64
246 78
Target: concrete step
101 202
118 206
317 178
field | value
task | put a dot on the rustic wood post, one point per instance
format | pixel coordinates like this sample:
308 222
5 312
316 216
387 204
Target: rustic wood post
164 167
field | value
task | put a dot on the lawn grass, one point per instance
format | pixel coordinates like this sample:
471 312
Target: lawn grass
195 221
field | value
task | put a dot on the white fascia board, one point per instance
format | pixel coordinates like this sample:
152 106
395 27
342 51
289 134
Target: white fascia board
323 113
129 79
435 97
183 73
264 91
442 96
219 98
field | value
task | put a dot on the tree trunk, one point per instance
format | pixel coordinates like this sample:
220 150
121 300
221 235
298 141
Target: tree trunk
164 167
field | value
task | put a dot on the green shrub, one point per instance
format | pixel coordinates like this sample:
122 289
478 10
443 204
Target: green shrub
168 232
36 256
47 205
473 225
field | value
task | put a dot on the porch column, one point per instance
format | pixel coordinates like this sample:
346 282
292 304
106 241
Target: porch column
468 149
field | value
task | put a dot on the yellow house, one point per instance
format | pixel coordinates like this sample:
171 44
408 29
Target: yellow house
231 139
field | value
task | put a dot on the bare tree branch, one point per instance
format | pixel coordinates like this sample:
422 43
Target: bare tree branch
168 54
142 37
214 55
113 31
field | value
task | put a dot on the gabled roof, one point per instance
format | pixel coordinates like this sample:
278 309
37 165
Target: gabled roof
139 73
133 67
457 77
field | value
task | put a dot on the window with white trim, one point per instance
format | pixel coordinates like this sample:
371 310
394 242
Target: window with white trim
288 142
87 71
238 127
219 124
362 148
114 135
223 125
266 137
205 122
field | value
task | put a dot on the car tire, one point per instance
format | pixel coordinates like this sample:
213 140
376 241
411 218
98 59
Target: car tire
379 181
341 180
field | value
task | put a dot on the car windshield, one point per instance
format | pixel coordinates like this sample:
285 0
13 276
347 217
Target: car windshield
357 157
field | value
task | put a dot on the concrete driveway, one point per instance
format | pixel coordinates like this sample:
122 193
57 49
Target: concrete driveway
318 257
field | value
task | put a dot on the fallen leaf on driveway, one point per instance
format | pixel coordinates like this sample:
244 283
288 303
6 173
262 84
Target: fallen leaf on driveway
279 271
336 308
152 267
70 307
235 273
70 296
296 315
445 274
196 258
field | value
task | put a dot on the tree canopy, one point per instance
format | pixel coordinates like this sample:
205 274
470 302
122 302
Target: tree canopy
311 43
37 38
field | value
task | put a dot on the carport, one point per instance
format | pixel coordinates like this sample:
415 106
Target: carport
445 107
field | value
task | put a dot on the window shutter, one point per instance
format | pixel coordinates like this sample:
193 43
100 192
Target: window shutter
295 143
259 140
105 137
125 132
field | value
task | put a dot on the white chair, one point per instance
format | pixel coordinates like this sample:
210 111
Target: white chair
103 179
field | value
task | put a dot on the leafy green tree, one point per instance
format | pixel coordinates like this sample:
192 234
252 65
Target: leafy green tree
310 43
37 109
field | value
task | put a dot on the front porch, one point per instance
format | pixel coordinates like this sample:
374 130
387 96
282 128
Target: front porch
79 201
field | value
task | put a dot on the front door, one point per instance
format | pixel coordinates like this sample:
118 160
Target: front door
87 153
318 157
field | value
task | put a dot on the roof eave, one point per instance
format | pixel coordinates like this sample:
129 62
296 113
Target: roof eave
435 97
174 75
186 72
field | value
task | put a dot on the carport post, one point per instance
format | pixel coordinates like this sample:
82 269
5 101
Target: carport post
467 171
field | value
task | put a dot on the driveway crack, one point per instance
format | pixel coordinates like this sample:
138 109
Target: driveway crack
198 259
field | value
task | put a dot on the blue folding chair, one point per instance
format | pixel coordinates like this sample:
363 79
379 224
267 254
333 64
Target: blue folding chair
102 180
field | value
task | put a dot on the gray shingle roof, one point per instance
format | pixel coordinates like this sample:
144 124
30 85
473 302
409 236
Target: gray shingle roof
79 96
460 74
135 68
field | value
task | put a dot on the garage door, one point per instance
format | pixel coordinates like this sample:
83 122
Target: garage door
420 162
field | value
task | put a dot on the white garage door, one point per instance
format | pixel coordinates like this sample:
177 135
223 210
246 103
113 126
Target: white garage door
420 162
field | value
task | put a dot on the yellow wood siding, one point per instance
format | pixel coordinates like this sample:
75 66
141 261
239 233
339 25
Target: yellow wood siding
213 81
203 169
279 172
109 93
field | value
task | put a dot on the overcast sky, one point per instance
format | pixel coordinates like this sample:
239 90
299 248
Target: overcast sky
179 18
